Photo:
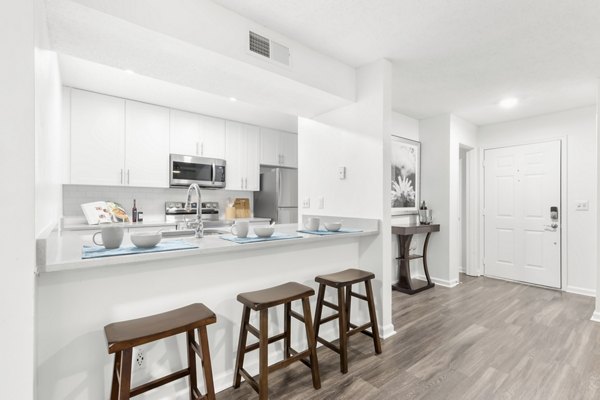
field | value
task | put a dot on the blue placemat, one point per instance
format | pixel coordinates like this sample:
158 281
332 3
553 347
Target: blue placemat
256 239
324 232
97 251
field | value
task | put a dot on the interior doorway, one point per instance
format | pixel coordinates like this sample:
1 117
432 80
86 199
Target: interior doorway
466 242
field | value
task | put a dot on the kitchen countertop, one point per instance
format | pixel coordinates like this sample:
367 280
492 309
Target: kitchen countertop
63 252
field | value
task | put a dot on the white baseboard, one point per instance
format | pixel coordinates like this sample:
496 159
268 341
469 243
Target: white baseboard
441 282
581 291
387 331
596 316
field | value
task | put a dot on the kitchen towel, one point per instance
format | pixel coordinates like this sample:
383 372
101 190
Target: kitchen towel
171 245
325 232
256 239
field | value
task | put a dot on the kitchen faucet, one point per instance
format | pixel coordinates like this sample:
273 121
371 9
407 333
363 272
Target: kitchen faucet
198 226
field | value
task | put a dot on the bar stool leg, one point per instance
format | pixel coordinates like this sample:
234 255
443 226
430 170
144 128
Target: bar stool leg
343 324
114 392
319 309
287 319
206 363
263 362
312 345
125 373
191 355
348 306
373 315
239 362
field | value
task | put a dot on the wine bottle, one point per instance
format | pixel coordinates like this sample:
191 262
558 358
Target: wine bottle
134 212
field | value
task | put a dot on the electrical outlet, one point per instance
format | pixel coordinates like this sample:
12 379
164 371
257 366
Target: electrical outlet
306 202
140 360
582 205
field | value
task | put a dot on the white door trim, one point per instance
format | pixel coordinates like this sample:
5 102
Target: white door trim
564 268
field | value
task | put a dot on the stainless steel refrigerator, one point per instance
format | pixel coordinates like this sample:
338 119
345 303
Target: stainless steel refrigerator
278 195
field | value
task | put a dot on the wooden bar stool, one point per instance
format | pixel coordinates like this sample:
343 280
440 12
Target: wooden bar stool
123 336
340 281
261 301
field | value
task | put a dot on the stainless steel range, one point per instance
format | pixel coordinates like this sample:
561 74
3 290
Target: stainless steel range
175 211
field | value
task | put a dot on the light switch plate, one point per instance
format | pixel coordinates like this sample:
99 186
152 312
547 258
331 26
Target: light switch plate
342 172
582 205
306 202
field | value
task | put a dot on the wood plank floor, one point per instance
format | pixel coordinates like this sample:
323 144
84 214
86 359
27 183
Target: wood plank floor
485 339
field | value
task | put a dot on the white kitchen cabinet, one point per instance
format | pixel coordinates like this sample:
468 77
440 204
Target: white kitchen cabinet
97 139
146 144
278 148
198 135
242 156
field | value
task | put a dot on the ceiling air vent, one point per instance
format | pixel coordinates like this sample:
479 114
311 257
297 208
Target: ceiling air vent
267 48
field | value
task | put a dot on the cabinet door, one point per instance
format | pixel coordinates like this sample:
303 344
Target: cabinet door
147 145
185 133
97 139
252 139
269 147
288 145
235 156
212 137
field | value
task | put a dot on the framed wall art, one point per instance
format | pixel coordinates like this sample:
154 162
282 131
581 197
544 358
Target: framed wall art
406 175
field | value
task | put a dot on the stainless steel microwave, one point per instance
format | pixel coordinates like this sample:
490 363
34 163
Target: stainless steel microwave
206 172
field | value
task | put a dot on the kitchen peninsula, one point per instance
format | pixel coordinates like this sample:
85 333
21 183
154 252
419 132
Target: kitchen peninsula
76 298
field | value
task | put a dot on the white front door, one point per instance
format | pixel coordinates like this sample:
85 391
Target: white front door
522 187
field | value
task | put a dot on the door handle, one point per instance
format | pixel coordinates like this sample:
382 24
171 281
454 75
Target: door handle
552 227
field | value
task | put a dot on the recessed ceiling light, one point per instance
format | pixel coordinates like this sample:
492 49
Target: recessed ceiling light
130 71
232 99
509 102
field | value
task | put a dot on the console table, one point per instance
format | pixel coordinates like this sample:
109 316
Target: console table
405 233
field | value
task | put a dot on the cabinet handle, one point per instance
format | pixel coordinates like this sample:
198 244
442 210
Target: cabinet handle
197 151
128 177
121 176
242 183
202 148
246 183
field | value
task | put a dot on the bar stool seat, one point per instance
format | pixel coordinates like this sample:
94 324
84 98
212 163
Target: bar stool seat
342 281
274 296
261 301
345 278
122 336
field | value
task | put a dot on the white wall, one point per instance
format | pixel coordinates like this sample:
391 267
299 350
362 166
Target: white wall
48 129
17 169
578 128
357 137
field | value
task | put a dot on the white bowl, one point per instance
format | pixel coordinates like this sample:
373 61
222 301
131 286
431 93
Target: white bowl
146 240
264 231
333 226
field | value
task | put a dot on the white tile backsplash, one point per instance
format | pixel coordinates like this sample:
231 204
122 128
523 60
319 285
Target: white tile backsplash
149 200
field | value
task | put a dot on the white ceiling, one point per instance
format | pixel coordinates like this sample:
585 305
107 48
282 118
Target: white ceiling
459 56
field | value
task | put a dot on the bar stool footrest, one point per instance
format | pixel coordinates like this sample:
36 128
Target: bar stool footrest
272 339
328 344
284 363
331 305
159 382
249 379
329 319
360 329
359 296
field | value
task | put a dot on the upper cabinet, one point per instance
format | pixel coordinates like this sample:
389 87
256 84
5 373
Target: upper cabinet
146 144
117 142
242 156
97 139
278 148
198 135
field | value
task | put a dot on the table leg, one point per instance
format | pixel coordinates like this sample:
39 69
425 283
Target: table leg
403 262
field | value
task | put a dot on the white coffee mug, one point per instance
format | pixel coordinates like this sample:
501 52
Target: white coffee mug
240 229
112 237
312 224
